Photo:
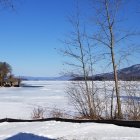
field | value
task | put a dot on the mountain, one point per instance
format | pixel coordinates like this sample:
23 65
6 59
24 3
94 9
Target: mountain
60 78
129 73
133 70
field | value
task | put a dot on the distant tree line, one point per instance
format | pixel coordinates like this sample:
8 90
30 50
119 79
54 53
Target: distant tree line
7 79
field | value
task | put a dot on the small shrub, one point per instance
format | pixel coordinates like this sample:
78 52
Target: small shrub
58 113
38 113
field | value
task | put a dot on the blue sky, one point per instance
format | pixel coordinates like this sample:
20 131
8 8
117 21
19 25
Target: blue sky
30 36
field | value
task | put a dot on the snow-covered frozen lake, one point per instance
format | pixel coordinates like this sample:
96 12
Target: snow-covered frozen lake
19 102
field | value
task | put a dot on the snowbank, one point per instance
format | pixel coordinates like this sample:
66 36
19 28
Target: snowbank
64 130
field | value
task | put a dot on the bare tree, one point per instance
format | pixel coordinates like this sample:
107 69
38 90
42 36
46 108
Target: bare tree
79 48
107 13
132 100
6 4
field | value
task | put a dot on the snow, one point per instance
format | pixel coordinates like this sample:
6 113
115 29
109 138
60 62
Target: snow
19 103
70 131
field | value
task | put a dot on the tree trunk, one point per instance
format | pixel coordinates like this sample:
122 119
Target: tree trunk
119 116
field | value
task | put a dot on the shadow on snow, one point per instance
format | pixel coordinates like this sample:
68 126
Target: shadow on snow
27 136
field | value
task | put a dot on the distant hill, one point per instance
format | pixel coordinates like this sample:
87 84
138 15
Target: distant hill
60 78
132 70
129 73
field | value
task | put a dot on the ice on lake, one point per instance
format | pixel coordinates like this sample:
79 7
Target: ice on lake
19 102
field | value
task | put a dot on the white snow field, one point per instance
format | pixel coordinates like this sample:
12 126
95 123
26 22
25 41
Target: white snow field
66 131
19 103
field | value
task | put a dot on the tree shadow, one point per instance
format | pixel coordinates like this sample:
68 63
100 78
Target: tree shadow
27 136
